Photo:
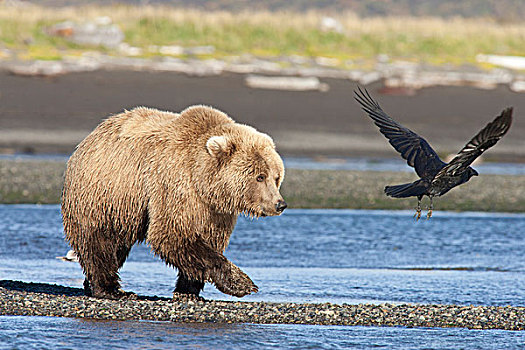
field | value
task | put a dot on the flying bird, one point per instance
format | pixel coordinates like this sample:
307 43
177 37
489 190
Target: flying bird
436 176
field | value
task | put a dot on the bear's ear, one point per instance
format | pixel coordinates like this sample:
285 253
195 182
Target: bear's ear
219 146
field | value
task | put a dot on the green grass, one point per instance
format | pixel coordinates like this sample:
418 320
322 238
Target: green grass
431 40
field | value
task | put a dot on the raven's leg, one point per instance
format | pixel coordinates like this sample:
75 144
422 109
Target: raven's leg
430 207
417 215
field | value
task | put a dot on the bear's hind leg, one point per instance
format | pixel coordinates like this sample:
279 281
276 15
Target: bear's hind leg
122 255
102 284
100 262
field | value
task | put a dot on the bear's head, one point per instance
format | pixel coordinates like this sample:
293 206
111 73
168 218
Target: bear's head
243 172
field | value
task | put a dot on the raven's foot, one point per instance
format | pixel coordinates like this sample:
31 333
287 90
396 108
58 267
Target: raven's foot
430 207
417 215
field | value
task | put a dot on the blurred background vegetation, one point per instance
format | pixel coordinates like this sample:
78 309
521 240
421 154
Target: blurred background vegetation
350 32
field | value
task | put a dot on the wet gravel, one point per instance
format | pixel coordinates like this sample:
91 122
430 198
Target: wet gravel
40 181
37 299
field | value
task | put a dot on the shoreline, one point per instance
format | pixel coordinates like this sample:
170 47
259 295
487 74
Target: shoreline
40 299
25 181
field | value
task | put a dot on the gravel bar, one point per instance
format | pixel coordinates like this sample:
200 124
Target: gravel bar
38 299
40 181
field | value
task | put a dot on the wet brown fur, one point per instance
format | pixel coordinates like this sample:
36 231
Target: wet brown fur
175 181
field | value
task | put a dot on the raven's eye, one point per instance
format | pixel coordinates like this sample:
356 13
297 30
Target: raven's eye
261 178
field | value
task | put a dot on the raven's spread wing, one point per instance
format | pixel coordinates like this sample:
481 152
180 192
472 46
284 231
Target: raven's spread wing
486 138
412 147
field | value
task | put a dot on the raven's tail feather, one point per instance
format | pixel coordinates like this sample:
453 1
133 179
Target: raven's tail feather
405 190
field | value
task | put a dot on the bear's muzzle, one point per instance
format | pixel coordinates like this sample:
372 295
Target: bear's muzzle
280 206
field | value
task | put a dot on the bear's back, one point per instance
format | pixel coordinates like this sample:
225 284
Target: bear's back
140 122
124 148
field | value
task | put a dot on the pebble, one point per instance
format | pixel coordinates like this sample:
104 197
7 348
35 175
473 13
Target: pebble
38 299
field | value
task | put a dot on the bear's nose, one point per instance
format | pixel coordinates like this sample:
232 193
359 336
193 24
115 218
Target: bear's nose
281 205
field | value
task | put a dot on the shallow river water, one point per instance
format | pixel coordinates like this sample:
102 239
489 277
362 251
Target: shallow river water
338 256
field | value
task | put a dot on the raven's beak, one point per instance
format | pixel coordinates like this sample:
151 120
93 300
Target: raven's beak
474 172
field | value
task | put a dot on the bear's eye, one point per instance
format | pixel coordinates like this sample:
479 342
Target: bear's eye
261 178
277 180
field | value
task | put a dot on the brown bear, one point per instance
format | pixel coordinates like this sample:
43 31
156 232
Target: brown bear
175 181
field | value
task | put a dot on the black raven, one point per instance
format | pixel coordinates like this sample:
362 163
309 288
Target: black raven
436 176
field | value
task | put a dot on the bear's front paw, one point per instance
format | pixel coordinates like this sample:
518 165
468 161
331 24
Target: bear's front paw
236 283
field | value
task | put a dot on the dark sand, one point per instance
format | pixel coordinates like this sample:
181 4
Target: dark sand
51 115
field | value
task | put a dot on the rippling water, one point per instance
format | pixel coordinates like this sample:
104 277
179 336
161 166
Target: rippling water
341 256
55 333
